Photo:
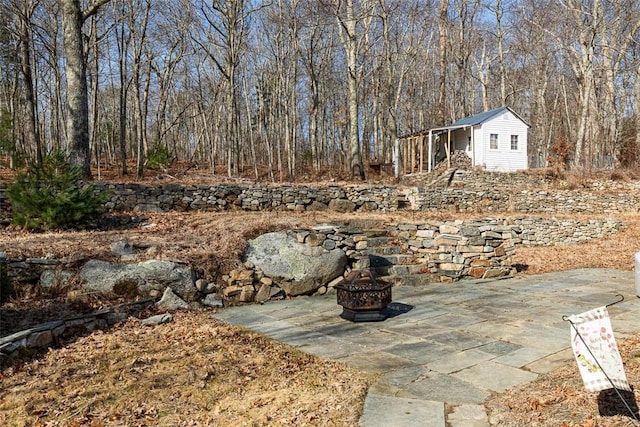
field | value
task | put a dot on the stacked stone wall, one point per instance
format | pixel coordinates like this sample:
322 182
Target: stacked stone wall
422 252
47 334
521 201
459 248
220 197
258 197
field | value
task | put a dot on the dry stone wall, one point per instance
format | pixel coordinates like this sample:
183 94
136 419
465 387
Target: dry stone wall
521 201
260 197
415 253
257 197
433 251
50 333
453 248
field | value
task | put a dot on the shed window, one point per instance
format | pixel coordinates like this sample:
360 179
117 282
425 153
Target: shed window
493 141
514 142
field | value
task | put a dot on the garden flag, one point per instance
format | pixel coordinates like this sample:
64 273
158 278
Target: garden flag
595 329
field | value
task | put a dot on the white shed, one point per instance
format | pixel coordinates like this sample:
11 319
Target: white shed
495 140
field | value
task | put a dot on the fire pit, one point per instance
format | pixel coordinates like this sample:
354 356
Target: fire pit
362 297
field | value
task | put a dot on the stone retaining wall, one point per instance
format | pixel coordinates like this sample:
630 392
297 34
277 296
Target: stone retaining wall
29 270
479 179
450 248
526 201
47 334
433 251
418 243
249 197
258 197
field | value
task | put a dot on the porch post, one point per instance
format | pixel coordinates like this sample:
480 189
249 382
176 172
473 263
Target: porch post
396 158
413 154
473 149
421 152
405 157
429 150
449 148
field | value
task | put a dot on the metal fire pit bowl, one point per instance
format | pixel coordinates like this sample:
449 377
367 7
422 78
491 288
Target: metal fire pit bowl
362 297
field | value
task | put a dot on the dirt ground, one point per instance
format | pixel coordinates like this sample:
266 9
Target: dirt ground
194 371
170 375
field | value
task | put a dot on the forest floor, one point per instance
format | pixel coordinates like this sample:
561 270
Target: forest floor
198 371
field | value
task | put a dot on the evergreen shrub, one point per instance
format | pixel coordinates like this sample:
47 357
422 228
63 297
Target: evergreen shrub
53 196
158 157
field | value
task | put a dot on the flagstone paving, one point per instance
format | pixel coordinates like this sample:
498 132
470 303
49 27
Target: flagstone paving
450 345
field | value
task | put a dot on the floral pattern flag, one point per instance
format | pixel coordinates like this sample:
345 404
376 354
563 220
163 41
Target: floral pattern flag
594 326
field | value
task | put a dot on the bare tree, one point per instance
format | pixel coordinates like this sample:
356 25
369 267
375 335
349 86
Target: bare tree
315 53
73 18
348 19
311 84
123 41
138 15
24 12
443 25
228 24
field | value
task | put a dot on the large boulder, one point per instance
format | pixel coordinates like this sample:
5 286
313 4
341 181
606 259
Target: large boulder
342 205
299 269
141 278
171 301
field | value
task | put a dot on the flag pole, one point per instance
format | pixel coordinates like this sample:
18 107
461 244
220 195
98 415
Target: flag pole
624 401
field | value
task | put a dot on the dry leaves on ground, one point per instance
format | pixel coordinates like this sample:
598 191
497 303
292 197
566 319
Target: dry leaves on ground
615 252
192 371
200 372
560 399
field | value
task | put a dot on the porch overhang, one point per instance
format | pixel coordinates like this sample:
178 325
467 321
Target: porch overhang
409 144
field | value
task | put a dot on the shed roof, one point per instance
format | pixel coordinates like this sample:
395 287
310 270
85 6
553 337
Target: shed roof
465 122
483 117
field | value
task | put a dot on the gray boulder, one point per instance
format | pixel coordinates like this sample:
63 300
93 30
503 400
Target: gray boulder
52 278
212 301
158 274
102 276
145 276
171 301
121 247
299 269
342 205
157 319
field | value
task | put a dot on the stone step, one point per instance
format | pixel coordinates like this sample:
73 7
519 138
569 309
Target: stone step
389 260
373 242
400 270
411 279
374 233
382 250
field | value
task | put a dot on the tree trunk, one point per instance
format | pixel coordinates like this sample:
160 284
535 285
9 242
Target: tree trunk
636 88
501 60
355 156
95 92
33 135
77 97
390 83
442 65
122 98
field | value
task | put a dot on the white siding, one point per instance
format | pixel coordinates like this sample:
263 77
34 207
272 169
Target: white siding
478 146
504 159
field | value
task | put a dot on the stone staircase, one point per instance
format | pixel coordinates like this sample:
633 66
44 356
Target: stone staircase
389 261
